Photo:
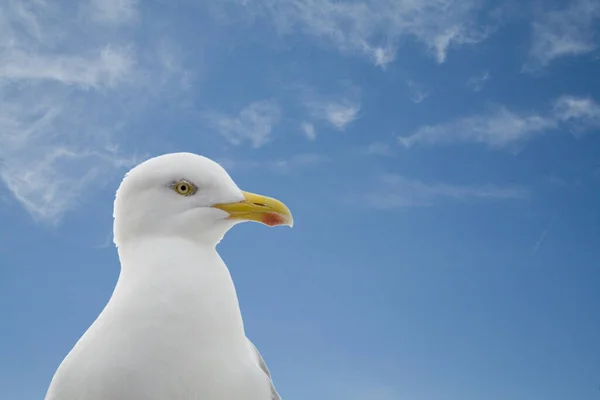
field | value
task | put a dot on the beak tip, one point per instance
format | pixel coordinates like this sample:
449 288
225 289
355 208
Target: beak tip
289 220
276 219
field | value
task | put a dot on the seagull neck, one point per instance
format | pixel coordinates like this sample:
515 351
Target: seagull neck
183 280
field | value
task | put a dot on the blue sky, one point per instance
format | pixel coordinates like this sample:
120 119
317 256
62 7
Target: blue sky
441 159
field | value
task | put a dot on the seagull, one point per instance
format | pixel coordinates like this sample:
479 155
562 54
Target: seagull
172 329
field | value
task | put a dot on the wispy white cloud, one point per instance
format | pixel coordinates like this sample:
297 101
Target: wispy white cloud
253 124
339 114
497 128
358 27
542 237
567 31
477 82
582 113
384 55
396 191
500 127
51 150
63 100
309 130
170 60
113 12
417 91
105 67
339 110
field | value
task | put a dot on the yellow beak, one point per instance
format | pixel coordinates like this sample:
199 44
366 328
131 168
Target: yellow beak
255 207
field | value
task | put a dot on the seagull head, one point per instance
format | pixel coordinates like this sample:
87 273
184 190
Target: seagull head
190 196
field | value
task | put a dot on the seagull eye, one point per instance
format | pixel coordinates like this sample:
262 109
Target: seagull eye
184 188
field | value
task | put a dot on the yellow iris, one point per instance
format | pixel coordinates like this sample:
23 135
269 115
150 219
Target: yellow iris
184 188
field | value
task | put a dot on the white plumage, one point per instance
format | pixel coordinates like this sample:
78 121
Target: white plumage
172 329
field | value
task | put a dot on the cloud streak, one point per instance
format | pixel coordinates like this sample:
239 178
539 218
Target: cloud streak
477 82
309 130
497 129
42 160
374 29
500 127
417 92
338 110
569 31
107 67
582 113
112 12
542 238
62 101
254 123
339 114
396 191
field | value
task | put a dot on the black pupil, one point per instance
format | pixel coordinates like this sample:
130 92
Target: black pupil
183 188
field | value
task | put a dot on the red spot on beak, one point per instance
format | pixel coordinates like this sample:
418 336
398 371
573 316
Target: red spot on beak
272 219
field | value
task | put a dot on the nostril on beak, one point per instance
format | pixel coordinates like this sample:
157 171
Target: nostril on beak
260 204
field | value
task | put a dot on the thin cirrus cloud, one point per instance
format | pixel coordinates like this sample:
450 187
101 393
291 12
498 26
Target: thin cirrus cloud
113 12
396 191
357 27
477 82
338 114
501 127
339 110
417 92
309 130
253 124
106 67
61 103
582 113
562 32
